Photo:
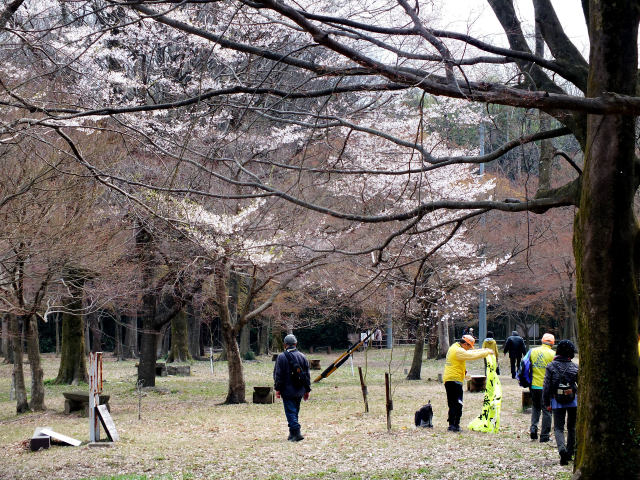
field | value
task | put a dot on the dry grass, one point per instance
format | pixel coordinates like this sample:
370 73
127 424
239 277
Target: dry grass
185 433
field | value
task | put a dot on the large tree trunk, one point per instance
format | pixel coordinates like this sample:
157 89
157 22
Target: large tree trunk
236 393
244 346
179 335
119 348
7 348
73 364
93 323
18 373
418 352
37 375
194 324
131 337
57 321
604 234
263 336
443 337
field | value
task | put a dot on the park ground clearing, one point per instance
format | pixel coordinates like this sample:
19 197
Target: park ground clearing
186 433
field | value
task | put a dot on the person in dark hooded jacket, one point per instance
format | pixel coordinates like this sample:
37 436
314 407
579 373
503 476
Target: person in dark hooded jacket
560 395
291 394
516 349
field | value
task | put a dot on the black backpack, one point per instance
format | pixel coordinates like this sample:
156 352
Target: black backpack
297 376
567 387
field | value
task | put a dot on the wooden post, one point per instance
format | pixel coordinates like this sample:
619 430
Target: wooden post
364 391
389 405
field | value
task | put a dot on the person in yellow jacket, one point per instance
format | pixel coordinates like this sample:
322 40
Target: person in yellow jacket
540 357
455 369
491 344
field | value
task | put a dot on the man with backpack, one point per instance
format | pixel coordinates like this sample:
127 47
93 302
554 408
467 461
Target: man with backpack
515 347
292 382
540 357
560 395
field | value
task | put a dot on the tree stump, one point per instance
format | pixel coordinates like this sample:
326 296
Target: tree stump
314 364
263 395
477 383
526 400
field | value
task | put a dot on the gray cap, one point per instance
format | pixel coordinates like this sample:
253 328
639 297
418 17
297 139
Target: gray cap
290 339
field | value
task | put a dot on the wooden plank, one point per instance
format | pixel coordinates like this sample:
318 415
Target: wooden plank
59 437
107 423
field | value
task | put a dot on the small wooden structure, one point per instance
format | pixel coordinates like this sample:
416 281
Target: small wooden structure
263 395
180 370
526 400
314 364
477 383
74 401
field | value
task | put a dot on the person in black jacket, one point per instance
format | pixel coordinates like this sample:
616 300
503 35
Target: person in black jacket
560 395
284 384
516 349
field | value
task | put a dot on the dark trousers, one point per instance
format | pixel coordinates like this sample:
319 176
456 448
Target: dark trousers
291 410
515 365
536 409
454 401
558 428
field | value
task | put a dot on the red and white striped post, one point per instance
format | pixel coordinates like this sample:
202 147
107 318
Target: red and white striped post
95 388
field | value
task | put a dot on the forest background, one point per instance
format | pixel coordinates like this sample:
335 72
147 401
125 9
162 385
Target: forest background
212 174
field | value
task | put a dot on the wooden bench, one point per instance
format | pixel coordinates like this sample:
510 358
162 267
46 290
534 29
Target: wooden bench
74 401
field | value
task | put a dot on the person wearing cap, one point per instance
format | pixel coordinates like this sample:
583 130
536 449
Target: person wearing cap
540 357
560 396
516 349
284 387
455 369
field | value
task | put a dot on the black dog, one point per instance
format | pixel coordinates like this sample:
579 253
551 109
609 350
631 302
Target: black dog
424 416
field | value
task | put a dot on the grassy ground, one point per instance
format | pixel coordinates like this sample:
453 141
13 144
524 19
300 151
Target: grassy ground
186 433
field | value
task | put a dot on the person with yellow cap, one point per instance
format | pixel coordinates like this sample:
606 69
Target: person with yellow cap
455 369
540 357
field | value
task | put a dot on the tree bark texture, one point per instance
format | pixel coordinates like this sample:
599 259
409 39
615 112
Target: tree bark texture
73 364
418 352
245 335
236 391
443 337
94 325
37 374
608 411
179 338
6 340
18 373
193 324
131 337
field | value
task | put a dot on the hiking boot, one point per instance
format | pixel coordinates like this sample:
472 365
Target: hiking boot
534 435
295 436
564 457
544 439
